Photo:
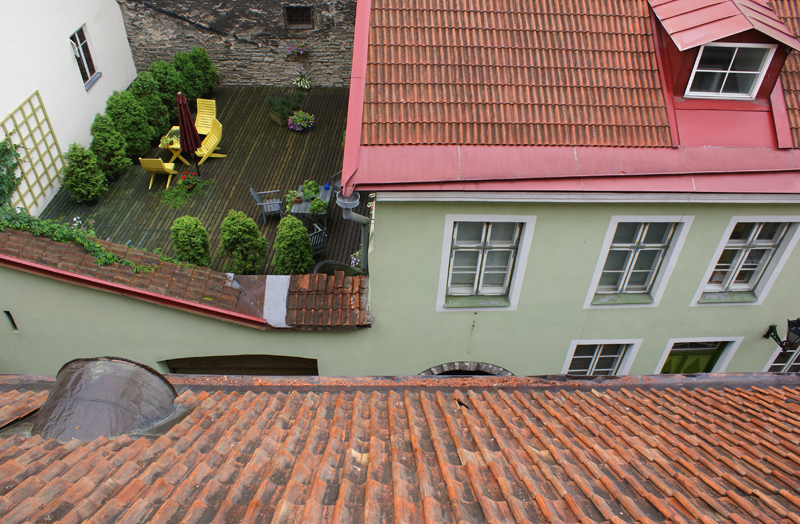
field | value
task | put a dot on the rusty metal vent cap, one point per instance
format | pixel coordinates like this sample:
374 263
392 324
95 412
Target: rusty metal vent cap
105 396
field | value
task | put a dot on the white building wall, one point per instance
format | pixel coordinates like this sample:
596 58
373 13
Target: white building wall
37 55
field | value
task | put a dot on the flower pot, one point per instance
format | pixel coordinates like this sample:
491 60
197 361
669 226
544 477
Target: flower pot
189 187
277 119
299 200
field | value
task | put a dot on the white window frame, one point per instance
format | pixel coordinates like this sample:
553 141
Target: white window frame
79 50
518 272
723 360
771 360
627 359
682 225
726 96
770 273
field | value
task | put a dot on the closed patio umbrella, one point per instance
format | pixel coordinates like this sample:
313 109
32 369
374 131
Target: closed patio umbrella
190 139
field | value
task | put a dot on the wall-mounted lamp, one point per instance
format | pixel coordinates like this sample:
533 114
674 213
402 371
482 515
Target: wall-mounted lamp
792 335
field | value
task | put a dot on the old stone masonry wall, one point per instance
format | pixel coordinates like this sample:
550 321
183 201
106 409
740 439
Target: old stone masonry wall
246 39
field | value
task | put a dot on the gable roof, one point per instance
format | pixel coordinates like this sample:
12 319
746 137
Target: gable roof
709 449
234 298
695 23
508 72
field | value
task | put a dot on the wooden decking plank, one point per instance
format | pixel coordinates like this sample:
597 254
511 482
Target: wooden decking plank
259 154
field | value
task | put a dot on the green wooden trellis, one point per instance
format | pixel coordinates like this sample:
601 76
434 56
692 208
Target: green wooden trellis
40 156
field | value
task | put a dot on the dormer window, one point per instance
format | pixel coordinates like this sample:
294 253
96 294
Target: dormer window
729 70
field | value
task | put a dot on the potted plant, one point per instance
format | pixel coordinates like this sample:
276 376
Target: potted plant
298 47
310 189
172 138
300 121
302 80
318 206
282 107
293 196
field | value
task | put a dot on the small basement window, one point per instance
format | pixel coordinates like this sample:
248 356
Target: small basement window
275 365
729 71
299 17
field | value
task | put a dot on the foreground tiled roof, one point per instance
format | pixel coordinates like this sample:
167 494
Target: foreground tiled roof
494 450
327 302
505 72
193 284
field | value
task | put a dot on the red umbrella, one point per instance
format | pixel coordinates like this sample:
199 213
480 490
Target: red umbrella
190 140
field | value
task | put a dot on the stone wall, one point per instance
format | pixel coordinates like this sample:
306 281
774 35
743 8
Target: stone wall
246 39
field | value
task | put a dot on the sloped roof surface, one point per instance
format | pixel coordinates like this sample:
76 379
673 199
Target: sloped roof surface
193 284
708 454
789 12
697 22
324 302
507 72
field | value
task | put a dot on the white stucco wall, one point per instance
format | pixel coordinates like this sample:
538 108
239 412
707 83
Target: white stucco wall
37 55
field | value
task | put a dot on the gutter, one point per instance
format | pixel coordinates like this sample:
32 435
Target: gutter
130 292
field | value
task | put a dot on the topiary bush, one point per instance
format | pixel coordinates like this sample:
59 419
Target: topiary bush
169 82
108 145
292 248
242 243
130 119
198 72
190 240
146 89
9 181
82 176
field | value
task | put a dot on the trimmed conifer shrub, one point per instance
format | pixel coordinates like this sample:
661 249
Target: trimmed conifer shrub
108 145
169 82
130 119
146 89
198 72
190 240
81 176
292 248
242 243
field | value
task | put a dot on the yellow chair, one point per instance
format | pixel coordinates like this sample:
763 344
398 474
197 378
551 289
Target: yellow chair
156 166
206 113
210 142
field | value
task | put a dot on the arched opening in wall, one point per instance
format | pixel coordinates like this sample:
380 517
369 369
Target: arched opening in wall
244 365
467 368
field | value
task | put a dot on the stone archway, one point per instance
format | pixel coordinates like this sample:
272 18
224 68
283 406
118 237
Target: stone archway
468 368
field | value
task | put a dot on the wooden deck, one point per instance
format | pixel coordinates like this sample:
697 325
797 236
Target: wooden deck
259 154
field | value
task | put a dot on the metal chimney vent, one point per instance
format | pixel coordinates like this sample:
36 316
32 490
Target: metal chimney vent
106 396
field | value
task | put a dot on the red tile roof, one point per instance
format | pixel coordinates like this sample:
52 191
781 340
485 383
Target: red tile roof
410 452
789 12
503 72
694 23
327 302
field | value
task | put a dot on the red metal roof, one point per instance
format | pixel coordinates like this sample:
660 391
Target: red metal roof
505 72
697 22
500 450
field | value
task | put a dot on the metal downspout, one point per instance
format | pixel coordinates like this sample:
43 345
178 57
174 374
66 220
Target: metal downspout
348 203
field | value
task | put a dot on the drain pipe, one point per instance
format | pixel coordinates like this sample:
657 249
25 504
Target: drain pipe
348 203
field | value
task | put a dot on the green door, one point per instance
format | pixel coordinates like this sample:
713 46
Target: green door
693 357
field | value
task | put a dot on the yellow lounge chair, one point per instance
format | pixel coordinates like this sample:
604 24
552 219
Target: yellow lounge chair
210 142
206 113
156 166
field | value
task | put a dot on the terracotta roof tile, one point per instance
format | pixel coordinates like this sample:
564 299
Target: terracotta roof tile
502 72
413 452
790 74
325 302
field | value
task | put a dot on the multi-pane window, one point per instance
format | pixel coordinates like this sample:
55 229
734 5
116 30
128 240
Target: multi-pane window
786 362
80 47
729 71
482 257
693 357
635 256
597 359
747 254
299 17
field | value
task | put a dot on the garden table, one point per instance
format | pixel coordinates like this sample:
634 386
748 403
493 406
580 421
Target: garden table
175 149
303 209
